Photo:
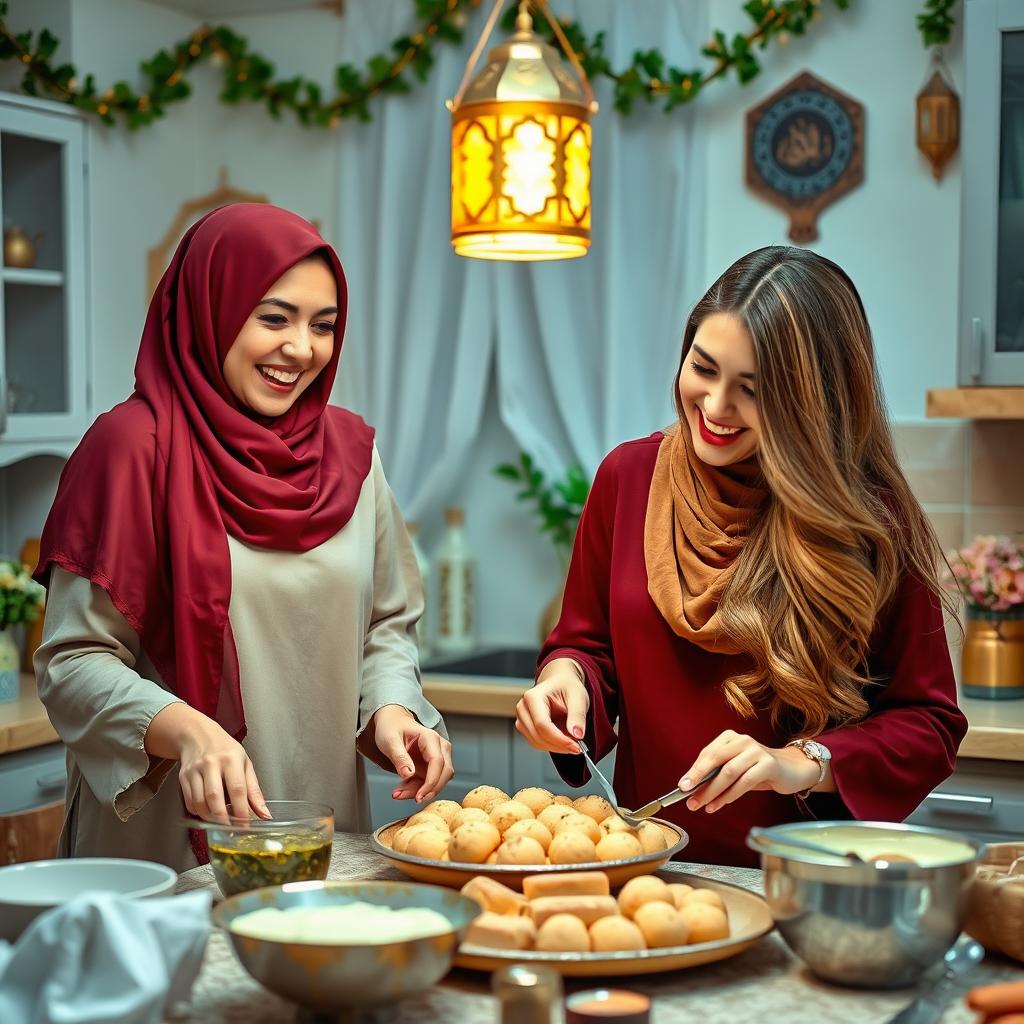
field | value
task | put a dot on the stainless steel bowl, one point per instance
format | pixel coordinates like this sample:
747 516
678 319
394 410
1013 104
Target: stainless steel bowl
870 925
337 977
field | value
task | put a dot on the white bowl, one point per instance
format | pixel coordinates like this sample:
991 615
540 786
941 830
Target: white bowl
28 890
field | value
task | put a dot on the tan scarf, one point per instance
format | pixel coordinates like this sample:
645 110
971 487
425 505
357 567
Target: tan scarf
698 518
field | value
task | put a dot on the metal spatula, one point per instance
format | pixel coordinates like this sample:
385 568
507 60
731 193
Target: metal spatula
648 810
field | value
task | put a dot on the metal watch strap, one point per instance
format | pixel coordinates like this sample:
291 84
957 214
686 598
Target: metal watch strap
821 762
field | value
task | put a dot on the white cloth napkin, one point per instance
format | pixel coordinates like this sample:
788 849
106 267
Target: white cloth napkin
105 959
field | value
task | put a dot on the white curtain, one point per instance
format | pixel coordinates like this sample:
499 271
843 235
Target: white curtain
586 349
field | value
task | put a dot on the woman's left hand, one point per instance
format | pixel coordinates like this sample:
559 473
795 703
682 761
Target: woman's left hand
421 756
746 765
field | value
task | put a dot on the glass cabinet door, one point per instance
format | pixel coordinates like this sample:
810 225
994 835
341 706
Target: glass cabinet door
42 301
991 327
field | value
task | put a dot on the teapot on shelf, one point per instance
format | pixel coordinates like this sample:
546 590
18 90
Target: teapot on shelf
20 248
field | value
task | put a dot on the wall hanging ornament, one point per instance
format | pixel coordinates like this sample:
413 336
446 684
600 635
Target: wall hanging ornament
805 149
938 117
521 148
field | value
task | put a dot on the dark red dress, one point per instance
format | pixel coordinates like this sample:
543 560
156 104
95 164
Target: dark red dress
665 692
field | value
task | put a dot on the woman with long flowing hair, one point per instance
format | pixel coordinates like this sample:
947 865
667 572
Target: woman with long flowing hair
755 588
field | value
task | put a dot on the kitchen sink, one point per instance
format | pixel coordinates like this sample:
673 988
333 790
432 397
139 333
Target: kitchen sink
503 662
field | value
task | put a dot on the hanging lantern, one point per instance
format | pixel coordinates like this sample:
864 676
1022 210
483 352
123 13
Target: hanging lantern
938 118
521 149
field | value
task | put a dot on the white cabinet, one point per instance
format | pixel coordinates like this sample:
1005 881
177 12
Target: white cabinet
43 306
982 798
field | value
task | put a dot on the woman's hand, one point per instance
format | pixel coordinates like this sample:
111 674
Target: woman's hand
748 765
421 756
552 715
214 769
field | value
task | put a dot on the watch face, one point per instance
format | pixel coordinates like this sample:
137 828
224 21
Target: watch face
803 144
818 751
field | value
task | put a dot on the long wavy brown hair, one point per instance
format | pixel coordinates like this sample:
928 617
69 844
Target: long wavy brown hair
840 526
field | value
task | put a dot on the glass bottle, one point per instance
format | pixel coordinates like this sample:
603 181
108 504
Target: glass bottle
455 569
527 995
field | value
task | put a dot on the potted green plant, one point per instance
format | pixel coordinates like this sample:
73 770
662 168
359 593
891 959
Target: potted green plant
558 505
21 600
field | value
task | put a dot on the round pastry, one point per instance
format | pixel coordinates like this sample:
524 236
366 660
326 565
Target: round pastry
473 842
508 812
618 846
427 818
594 806
445 809
492 858
707 896
613 823
402 837
562 800
553 813
521 850
704 922
535 798
576 822
679 891
651 837
428 843
661 924
529 827
460 817
572 848
482 796
640 890
563 933
614 933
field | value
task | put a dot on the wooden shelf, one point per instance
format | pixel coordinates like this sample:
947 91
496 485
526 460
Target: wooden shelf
977 403
17 275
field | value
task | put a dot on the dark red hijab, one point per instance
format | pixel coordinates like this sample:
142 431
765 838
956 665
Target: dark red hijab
146 501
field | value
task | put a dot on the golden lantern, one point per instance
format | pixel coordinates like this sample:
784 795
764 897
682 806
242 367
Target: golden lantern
521 149
938 119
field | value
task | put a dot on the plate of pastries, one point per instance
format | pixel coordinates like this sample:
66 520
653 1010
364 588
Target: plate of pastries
532 832
575 922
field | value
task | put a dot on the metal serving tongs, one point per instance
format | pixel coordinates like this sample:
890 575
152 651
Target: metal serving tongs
648 810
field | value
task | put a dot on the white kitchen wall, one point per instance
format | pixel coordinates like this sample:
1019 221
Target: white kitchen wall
898 234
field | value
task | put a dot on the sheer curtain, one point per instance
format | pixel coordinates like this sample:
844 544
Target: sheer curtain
585 349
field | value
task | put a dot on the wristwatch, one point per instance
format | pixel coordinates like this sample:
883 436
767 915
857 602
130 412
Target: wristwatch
818 753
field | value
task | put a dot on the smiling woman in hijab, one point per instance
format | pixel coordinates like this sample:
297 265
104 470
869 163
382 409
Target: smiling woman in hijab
232 592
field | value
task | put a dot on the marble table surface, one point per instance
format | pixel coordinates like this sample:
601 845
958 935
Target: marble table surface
766 983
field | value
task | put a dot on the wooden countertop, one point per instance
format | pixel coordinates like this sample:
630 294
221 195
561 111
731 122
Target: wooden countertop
765 983
996 727
23 723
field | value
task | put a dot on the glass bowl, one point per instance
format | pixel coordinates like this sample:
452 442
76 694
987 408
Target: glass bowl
293 846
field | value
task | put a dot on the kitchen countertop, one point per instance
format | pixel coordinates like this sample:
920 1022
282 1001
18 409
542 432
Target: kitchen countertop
764 983
23 723
996 728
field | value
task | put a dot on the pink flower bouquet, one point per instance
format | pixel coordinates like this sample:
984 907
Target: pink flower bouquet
990 573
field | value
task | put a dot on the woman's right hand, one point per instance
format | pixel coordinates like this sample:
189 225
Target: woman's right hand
214 769
552 715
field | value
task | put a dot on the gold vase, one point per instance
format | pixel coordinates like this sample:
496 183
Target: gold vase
551 614
993 655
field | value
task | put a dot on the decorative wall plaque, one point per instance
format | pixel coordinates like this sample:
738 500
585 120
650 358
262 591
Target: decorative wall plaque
805 149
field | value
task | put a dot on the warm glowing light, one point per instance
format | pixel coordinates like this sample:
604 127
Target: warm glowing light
521 149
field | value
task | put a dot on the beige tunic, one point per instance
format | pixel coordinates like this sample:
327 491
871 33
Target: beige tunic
324 639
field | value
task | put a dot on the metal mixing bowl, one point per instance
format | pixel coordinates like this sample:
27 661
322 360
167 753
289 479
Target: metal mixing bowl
336 977
865 924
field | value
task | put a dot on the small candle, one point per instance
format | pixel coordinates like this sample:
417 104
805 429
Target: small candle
607 1004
